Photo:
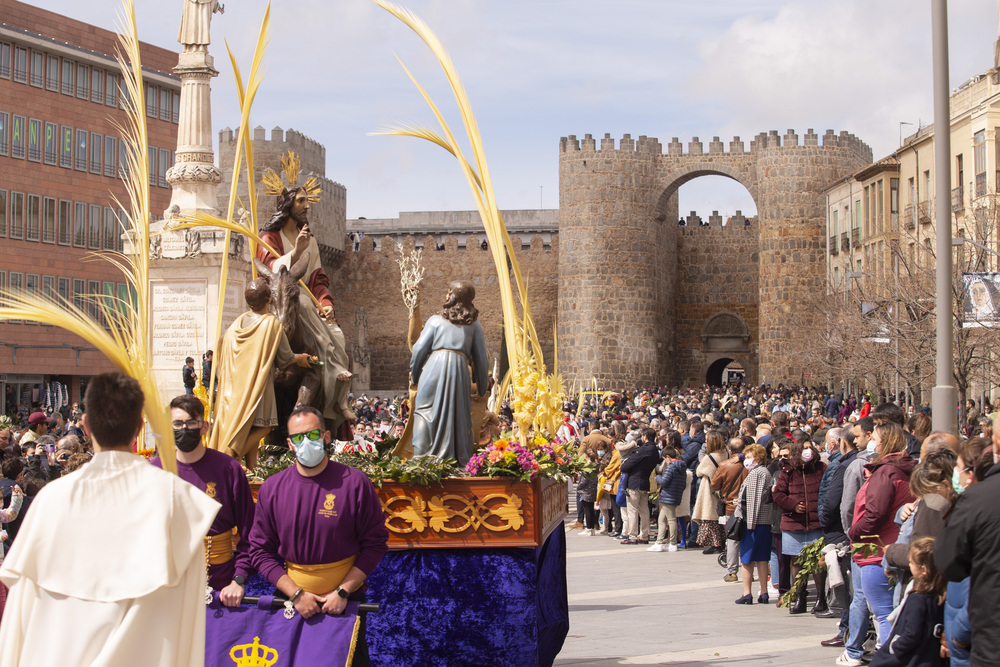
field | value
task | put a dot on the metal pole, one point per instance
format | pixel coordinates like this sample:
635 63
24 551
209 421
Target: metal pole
943 395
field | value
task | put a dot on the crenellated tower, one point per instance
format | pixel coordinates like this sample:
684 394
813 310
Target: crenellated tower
642 304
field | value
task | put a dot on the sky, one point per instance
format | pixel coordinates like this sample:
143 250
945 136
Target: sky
538 70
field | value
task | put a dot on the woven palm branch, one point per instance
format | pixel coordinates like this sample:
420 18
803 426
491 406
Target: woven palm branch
126 340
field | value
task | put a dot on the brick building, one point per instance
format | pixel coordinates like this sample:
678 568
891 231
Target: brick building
60 175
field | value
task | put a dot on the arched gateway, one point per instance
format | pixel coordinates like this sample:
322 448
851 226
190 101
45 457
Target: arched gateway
636 291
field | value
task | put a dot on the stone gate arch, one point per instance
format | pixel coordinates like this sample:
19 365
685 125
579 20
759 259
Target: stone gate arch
623 260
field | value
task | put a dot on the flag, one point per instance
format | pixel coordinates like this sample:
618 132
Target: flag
259 636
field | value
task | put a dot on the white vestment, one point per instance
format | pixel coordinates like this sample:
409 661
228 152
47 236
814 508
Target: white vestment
109 570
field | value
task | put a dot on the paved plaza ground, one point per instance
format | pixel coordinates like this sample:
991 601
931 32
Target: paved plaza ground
628 606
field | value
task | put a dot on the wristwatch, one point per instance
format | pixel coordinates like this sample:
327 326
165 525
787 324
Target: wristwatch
240 579
342 593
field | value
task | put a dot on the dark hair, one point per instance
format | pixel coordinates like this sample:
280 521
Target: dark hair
208 353
257 292
671 452
867 425
932 583
848 434
190 404
936 467
977 455
648 434
308 409
32 485
189 360
283 209
113 404
458 308
919 426
674 439
697 426
12 467
889 412
779 419
684 425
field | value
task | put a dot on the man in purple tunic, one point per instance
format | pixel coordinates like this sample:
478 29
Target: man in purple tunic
324 520
221 478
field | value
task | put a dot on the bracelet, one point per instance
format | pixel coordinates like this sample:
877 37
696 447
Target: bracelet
296 596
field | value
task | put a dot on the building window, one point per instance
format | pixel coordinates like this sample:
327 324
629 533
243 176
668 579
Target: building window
164 165
34 140
979 161
151 101
20 64
65 221
49 290
3 213
834 226
37 69
93 293
52 74
63 288
79 294
123 163
17 215
67 77
66 147
927 185
164 104
4 145
4 60
110 155
82 81
111 90
94 236
123 96
17 130
96 148
176 115
80 225
97 86
122 221
51 143
151 158
31 225
48 220
81 150
15 281
109 229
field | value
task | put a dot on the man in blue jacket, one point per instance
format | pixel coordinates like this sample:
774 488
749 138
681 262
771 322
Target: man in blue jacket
638 467
672 479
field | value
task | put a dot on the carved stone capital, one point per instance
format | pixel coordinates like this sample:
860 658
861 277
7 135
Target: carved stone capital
188 173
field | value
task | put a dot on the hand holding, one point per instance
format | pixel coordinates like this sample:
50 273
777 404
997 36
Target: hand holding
334 605
308 605
231 595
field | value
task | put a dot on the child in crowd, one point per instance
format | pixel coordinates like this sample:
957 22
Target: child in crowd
915 638
672 478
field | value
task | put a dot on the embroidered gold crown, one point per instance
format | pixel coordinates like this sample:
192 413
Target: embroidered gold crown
253 655
290 166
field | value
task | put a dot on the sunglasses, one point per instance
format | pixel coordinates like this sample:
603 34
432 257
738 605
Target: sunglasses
297 438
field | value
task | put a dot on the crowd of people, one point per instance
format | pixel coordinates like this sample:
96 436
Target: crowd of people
899 523
907 516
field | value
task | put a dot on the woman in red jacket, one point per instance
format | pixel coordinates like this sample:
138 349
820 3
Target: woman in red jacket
797 493
883 493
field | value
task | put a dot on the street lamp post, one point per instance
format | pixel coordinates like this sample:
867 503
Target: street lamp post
944 395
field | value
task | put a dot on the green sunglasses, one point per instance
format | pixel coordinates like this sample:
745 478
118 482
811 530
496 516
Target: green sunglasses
298 437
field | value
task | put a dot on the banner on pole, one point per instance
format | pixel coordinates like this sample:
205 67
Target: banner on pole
260 636
980 299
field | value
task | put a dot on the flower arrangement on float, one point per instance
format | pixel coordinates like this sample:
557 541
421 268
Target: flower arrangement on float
538 456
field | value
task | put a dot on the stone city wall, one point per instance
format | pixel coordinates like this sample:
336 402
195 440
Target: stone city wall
717 272
369 279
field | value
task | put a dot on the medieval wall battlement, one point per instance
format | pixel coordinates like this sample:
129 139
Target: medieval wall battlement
762 141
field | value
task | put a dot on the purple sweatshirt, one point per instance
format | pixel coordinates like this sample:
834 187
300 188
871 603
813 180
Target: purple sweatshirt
223 480
317 520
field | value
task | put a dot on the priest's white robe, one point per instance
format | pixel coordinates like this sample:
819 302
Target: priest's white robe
109 570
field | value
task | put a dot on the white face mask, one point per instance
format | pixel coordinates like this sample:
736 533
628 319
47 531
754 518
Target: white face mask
871 447
310 452
807 455
749 464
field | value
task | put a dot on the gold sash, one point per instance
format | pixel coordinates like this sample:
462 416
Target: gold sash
219 548
322 578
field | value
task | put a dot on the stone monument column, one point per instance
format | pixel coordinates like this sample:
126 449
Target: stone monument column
185 267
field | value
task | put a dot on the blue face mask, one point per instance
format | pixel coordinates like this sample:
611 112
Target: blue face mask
310 453
955 483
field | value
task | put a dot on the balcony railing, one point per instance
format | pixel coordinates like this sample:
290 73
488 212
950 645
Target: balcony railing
925 212
909 216
957 199
833 245
856 237
845 241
